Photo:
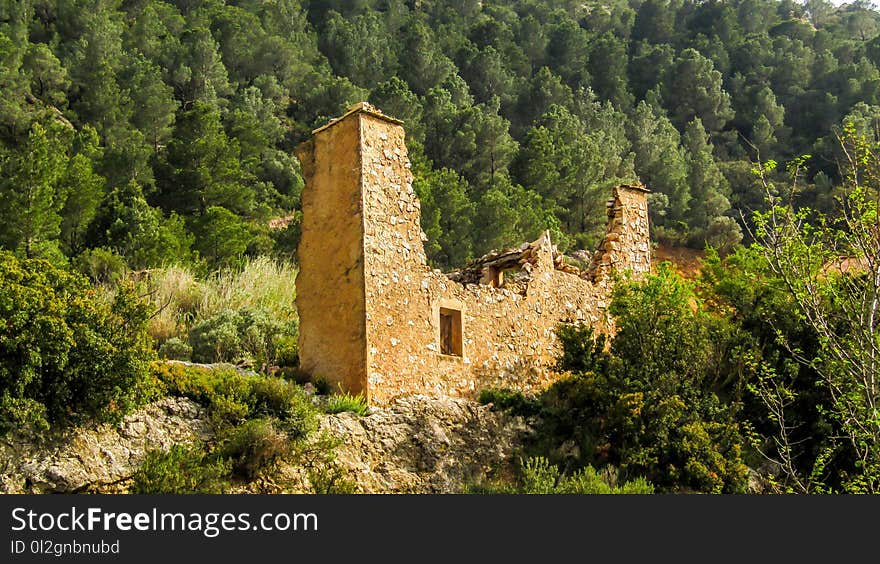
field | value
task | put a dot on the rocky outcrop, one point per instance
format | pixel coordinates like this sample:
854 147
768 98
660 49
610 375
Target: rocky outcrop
98 458
420 444
417 444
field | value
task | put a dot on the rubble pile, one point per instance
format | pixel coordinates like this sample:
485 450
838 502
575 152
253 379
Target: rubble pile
521 260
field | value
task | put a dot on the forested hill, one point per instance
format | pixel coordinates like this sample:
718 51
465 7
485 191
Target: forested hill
151 131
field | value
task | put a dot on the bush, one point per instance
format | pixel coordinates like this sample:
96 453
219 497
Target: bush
284 400
102 266
325 475
322 386
658 403
65 353
743 287
236 335
183 299
338 403
175 349
217 339
287 351
232 397
538 476
255 446
259 420
182 470
510 400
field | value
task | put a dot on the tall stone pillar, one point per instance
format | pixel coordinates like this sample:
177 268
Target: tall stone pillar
357 202
627 243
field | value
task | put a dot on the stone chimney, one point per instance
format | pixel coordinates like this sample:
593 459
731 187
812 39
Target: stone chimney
627 243
360 214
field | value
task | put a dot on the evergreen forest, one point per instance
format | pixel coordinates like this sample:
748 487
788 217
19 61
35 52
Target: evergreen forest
150 207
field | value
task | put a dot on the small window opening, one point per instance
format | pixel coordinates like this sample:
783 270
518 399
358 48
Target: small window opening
450 331
492 277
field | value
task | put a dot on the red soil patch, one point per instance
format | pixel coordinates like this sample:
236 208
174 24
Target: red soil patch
687 262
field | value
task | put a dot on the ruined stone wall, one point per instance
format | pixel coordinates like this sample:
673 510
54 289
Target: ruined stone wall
508 332
626 246
330 283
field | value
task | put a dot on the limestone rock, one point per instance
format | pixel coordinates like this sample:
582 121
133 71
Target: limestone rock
98 458
421 444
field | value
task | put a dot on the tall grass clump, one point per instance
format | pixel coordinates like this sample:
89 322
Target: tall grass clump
262 283
355 403
176 295
236 314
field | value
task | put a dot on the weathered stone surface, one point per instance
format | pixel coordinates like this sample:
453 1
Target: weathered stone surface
98 458
420 444
627 244
417 444
331 256
370 305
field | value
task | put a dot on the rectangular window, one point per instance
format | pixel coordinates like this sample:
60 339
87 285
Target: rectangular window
492 277
450 331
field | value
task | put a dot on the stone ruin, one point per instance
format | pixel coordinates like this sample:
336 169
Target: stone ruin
376 319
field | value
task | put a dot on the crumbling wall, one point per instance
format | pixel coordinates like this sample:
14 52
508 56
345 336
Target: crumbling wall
507 332
330 283
626 245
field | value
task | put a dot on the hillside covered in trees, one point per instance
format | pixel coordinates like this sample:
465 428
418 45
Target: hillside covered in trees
149 209
146 132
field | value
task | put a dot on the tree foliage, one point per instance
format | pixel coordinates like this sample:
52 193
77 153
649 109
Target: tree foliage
536 105
829 265
65 354
655 404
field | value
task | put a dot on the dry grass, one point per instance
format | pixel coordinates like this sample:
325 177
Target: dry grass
262 283
181 299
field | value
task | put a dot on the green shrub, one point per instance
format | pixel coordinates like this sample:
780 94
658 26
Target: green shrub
513 401
236 335
538 476
276 397
256 445
66 354
102 266
583 350
338 403
325 475
330 479
184 469
294 374
743 287
655 405
322 386
183 299
286 351
175 349
232 397
22 413
260 420
216 339
223 391
541 477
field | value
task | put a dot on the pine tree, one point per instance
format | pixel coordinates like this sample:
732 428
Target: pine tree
29 197
447 214
708 191
202 166
693 88
660 164
82 189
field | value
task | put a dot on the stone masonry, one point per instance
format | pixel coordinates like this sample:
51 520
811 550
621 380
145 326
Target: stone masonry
376 319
